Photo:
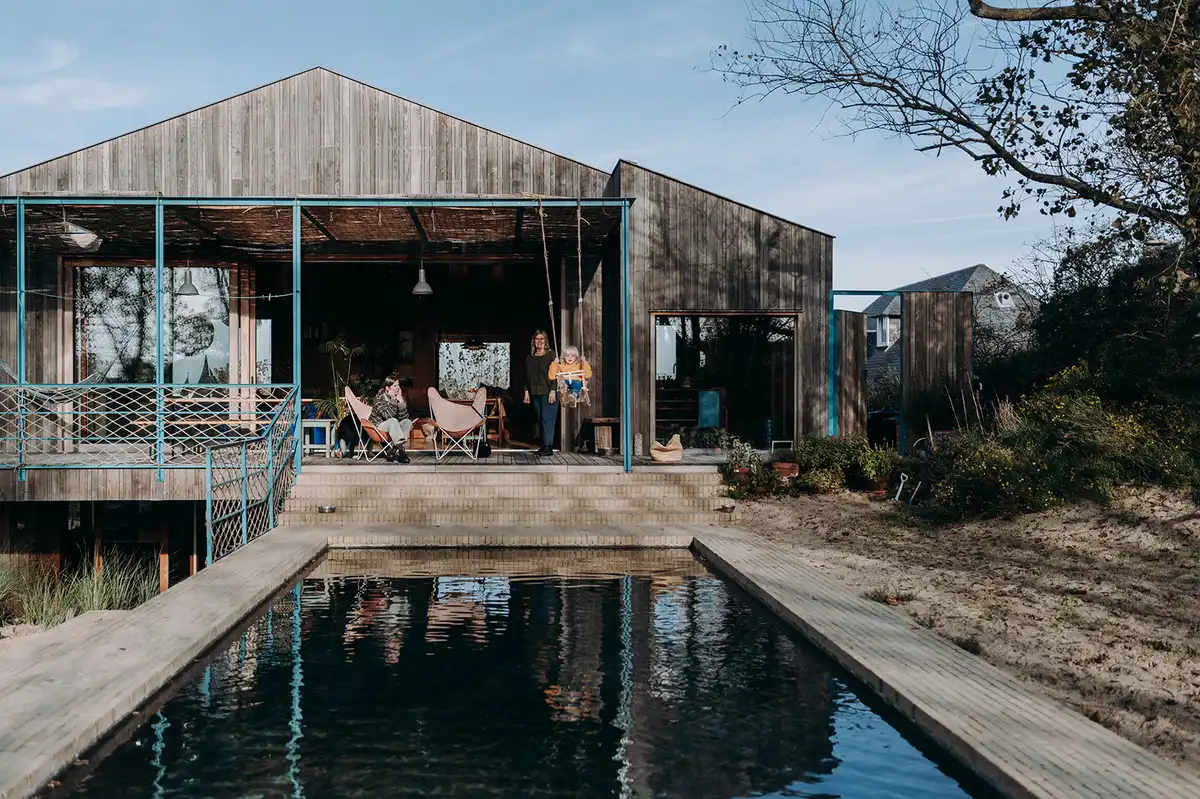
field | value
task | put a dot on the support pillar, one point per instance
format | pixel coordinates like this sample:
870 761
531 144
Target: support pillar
296 323
21 332
626 376
160 418
164 548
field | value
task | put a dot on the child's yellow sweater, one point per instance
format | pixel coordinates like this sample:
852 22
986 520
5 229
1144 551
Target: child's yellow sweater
558 369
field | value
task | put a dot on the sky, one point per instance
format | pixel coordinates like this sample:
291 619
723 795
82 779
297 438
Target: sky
595 82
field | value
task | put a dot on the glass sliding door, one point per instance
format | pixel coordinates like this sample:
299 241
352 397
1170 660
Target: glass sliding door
730 371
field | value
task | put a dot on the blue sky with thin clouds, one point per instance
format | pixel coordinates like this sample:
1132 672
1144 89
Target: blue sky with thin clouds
593 81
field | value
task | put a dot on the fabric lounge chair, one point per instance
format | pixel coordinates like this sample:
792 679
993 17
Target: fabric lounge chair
464 426
360 413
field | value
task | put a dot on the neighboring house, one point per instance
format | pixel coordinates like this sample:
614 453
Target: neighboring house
1001 308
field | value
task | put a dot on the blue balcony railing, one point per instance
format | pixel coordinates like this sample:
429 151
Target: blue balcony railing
246 481
130 425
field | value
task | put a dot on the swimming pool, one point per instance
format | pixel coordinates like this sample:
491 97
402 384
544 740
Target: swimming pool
473 676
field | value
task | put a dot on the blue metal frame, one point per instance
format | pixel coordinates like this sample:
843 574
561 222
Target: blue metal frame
626 377
296 260
160 447
295 724
21 322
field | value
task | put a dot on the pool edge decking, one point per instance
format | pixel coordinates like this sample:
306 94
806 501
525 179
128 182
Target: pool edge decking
1016 738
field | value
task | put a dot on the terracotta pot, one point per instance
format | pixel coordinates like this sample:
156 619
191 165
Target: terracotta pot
785 470
742 473
874 484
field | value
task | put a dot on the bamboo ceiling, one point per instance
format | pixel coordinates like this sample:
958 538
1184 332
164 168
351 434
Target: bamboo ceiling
129 228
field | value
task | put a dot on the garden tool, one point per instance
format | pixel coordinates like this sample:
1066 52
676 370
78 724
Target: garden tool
900 489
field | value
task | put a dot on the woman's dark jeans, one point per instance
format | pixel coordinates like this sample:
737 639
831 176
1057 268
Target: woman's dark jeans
547 416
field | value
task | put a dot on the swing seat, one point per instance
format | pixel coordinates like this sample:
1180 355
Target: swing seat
569 401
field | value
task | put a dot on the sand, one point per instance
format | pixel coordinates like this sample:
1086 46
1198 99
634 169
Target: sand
1099 606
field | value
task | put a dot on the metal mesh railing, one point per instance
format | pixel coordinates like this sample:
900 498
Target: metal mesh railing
129 425
246 481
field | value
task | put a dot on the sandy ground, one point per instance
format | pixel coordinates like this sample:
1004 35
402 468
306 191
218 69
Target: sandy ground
1098 606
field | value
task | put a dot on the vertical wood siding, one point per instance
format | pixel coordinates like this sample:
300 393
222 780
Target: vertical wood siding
692 250
936 357
852 374
316 133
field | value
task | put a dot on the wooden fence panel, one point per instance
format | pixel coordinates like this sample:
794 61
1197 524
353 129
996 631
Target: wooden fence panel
935 373
852 374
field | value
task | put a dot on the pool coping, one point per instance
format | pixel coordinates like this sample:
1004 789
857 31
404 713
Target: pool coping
63 695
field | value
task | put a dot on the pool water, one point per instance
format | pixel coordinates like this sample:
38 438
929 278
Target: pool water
666 682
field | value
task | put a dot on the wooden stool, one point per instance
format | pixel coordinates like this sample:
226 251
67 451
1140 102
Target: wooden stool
602 435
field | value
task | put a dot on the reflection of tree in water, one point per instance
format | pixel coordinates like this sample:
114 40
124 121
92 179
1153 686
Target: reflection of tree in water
460 370
750 357
748 712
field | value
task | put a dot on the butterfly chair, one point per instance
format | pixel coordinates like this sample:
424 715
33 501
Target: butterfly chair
464 426
360 414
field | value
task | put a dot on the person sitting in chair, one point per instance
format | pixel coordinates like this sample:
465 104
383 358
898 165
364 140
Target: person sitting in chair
571 373
389 414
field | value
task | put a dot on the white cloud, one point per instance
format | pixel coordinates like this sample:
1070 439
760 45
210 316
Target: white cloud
75 94
51 56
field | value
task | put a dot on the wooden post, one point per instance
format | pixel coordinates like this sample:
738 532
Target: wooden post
193 560
564 327
164 549
97 536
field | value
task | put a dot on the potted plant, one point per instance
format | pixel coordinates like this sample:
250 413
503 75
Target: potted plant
786 465
742 459
876 465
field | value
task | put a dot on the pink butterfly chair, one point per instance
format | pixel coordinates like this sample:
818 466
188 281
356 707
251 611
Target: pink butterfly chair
465 426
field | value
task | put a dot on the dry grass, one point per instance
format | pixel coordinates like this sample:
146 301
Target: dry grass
1100 606
30 594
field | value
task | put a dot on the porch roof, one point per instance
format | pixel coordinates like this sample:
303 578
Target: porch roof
126 225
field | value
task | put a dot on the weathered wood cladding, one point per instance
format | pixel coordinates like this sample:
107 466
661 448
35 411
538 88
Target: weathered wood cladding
107 485
852 373
936 357
315 133
693 250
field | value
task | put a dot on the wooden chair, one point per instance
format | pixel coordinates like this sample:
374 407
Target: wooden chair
360 413
461 424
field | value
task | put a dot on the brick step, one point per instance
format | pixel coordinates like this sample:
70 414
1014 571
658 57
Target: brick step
497 505
347 494
434 519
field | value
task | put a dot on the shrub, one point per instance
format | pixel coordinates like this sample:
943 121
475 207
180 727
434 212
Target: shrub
707 438
1059 444
829 453
822 480
877 463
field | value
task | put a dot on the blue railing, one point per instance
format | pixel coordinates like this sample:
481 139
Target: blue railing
129 425
246 481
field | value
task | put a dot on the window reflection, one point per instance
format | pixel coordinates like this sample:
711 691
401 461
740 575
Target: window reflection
736 372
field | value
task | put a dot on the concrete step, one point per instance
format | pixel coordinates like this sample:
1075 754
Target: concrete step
489 519
508 505
399 476
403 491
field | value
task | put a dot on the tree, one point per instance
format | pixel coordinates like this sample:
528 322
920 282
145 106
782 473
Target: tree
1091 103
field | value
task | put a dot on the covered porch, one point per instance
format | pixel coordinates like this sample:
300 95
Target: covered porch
158 334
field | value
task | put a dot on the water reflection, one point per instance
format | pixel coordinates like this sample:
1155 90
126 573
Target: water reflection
659 684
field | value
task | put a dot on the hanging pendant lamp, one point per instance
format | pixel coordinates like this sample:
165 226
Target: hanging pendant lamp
473 344
188 289
422 288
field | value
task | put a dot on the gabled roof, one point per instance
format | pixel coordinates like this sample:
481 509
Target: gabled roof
970 279
313 133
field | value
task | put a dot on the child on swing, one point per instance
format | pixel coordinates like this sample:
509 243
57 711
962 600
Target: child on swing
571 373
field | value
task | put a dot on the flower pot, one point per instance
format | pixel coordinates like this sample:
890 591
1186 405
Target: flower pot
741 474
875 484
786 471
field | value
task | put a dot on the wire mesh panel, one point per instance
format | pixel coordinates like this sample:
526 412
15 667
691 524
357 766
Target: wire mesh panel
129 425
247 481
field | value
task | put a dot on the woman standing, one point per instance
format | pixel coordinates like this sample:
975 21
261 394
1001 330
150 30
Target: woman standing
539 390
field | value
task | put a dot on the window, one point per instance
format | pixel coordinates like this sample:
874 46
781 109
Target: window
887 331
462 370
733 371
